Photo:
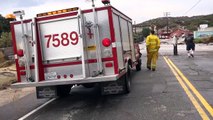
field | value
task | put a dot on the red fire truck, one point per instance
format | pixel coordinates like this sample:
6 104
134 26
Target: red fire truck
59 49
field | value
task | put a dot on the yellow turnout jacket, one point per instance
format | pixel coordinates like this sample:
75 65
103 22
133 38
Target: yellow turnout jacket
152 43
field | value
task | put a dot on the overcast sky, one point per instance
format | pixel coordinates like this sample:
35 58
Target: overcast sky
138 10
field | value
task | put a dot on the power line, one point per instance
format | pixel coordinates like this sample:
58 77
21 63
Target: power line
193 6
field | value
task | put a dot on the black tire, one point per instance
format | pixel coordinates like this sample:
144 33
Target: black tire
138 66
89 85
128 81
63 90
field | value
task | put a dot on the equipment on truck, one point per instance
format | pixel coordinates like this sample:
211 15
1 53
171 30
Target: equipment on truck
62 48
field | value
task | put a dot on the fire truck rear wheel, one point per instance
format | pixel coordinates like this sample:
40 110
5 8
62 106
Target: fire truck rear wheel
128 81
138 66
63 90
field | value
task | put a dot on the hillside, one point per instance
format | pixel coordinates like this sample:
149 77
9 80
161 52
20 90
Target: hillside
190 23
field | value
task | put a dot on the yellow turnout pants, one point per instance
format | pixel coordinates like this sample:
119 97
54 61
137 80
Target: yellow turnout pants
152 59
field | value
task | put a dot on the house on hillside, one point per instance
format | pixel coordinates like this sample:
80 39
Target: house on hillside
137 28
203 31
162 33
180 34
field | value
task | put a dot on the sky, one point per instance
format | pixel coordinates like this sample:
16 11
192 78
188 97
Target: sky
138 10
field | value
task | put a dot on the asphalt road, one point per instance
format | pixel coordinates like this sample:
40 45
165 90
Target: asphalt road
155 95
20 107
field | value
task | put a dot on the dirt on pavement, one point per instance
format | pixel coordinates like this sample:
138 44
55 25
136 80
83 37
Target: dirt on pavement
8 94
7 76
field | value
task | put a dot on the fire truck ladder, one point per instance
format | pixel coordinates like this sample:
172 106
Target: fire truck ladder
35 49
80 30
26 52
97 42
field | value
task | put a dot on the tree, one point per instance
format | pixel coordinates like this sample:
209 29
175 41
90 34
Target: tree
5 40
4 24
1 20
138 37
145 32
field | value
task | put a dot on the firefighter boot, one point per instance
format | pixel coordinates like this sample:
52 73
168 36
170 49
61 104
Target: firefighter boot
148 67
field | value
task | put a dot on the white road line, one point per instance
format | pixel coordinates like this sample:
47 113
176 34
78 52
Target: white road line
35 110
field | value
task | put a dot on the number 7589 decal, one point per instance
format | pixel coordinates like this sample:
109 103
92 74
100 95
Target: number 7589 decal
63 39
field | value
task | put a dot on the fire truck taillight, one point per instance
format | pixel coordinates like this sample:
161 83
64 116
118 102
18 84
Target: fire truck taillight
23 73
58 76
106 42
108 64
65 76
71 75
20 53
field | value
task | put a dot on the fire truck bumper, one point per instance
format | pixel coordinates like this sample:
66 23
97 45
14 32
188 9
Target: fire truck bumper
68 81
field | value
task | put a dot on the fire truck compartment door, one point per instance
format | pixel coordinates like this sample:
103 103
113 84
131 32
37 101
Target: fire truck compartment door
60 38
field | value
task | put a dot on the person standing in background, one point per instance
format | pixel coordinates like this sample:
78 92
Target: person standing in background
152 47
175 42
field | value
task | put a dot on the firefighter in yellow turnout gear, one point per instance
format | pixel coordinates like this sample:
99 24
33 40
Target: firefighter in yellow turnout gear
152 47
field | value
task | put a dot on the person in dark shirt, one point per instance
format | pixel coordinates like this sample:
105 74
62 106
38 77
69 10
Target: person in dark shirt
190 45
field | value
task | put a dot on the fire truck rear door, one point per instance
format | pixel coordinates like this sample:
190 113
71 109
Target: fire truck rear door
60 38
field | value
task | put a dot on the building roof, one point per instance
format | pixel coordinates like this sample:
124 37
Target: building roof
180 32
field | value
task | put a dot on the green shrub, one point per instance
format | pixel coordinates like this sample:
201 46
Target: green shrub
198 40
204 40
211 39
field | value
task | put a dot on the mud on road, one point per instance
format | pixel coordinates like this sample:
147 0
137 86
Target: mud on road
8 95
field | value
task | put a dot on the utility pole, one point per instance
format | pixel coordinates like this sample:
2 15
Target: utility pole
93 4
166 14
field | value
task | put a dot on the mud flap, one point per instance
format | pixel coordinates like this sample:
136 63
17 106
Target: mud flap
114 87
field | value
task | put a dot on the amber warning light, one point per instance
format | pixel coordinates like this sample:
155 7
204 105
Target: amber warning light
57 12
